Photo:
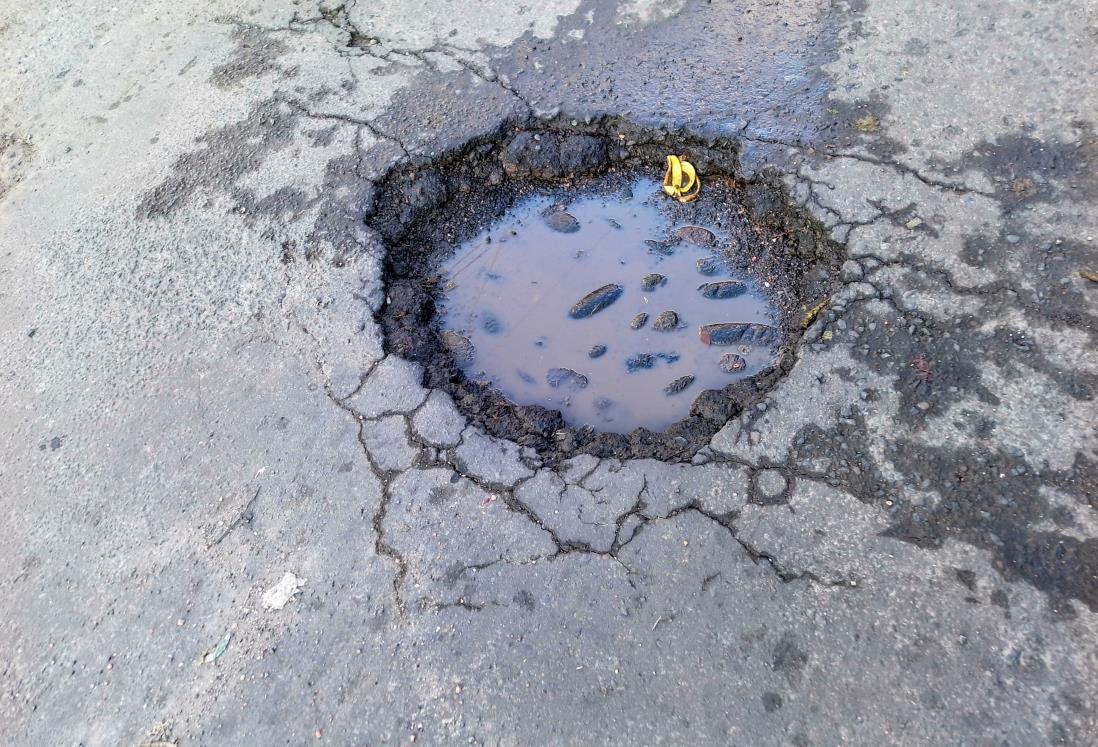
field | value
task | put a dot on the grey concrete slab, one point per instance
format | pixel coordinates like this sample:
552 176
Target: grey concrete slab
195 398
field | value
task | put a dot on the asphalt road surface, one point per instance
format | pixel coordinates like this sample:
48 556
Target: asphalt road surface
899 545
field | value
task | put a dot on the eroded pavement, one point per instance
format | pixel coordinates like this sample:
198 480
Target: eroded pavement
899 545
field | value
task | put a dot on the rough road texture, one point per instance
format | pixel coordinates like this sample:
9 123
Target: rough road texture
899 545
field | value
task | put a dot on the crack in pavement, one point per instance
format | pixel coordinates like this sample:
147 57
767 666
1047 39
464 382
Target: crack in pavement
363 44
508 495
897 166
366 124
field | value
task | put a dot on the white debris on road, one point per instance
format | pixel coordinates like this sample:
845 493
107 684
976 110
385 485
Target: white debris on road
276 597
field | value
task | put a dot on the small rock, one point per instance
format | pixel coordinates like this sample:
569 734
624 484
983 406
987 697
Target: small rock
665 321
652 281
560 221
732 363
664 248
596 301
460 347
565 378
730 333
696 235
596 351
710 265
678 385
491 324
722 289
639 361
638 321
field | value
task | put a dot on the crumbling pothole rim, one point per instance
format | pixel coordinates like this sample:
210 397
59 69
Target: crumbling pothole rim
425 209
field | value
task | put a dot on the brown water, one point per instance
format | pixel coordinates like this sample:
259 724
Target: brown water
510 290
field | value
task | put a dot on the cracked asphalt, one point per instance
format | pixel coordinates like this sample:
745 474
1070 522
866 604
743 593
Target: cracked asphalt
899 545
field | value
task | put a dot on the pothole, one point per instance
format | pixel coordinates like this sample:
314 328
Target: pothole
544 280
603 306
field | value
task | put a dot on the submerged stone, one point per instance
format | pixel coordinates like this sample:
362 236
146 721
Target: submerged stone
722 289
710 265
491 325
596 301
460 347
596 351
565 378
638 321
665 248
560 221
678 384
652 280
696 235
732 363
731 333
665 321
639 361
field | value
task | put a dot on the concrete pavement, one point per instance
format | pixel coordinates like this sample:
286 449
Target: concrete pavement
898 546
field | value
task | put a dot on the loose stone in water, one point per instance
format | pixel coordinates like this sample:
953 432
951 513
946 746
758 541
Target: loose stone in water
565 378
460 347
561 221
665 321
722 289
731 333
696 235
596 301
678 384
709 266
732 363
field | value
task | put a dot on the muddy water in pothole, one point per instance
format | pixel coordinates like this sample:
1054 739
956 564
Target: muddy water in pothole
514 292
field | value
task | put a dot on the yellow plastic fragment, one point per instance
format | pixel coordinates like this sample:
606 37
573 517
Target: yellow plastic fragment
673 179
813 313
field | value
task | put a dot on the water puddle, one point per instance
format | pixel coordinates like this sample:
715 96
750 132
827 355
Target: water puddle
603 309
